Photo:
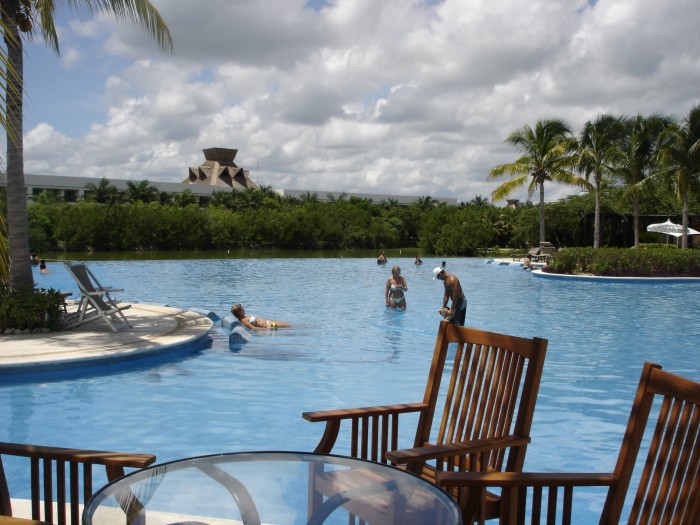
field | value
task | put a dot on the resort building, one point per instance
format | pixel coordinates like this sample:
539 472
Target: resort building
220 170
218 173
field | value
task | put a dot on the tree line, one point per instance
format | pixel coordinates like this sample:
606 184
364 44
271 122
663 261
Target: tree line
643 153
261 219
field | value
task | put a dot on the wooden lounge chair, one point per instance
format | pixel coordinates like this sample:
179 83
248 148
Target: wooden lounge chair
95 300
669 487
60 477
483 401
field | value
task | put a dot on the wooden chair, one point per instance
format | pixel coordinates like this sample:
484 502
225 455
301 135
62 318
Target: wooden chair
669 486
483 408
56 481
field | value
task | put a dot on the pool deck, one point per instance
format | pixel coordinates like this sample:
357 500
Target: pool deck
154 330
537 271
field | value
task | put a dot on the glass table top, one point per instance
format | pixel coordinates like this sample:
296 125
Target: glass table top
255 488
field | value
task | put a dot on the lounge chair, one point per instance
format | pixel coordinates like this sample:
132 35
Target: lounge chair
669 485
532 254
546 252
483 405
60 502
95 300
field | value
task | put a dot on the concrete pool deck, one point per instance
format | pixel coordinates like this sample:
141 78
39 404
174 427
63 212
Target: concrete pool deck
154 330
537 271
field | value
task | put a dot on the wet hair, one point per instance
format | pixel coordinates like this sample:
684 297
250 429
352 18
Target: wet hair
396 269
236 310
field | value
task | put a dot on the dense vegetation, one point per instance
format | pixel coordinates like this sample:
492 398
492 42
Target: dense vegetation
30 310
262 219
645 261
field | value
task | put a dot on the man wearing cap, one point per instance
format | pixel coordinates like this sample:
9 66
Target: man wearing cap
453 290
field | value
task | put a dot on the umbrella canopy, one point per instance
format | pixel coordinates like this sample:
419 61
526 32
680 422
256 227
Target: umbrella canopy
670 228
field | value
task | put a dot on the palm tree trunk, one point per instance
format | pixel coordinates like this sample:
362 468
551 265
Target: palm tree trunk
635 211
542 239
596 220
684 221
17 223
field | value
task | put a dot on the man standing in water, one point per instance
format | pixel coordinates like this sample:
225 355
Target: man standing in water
453 290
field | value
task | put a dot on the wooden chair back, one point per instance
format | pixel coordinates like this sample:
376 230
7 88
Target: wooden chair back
668 490
62 478
490 391
669 486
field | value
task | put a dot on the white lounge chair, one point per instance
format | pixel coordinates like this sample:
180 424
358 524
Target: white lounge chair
95 300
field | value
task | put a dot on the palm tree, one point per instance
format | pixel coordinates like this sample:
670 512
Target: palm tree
102 192
142 191
595 144
679 161
479 201
37 16
634 157
547 154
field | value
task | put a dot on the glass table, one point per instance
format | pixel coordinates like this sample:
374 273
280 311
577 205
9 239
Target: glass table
254 488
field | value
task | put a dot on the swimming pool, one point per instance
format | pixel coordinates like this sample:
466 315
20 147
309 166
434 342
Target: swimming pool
351 351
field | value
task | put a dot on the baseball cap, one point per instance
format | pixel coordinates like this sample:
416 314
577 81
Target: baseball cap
437 272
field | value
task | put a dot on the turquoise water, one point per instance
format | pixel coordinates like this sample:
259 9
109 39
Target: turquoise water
349 350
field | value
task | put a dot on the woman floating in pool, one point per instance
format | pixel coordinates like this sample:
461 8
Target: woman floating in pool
256 323
395 288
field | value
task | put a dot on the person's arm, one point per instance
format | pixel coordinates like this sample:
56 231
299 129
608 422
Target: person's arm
386 291
404 285
248 324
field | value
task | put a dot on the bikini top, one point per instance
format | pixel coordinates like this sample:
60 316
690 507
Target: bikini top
396 288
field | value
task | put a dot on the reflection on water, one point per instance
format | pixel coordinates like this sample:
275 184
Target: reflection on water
349 350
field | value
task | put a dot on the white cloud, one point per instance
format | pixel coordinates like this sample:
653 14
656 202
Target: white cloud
391 97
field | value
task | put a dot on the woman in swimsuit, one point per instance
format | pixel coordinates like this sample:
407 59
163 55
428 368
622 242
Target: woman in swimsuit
256 323
395 288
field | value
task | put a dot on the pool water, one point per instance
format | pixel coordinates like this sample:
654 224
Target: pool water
350 350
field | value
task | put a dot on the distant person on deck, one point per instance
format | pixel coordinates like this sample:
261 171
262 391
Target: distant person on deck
457 311
256 323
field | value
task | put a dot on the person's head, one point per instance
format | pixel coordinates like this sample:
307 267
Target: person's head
439 273
396 271
238 311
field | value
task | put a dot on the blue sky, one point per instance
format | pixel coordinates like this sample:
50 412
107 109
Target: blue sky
397 97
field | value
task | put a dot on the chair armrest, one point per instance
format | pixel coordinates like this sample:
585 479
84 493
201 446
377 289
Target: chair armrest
428 452
365 443
542 489
350 413
524 479
95 457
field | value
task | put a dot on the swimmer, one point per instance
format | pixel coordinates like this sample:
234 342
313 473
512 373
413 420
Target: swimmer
395 288
42 266
256 323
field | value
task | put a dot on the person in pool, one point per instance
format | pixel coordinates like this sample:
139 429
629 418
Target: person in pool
256 323
457 311
395 288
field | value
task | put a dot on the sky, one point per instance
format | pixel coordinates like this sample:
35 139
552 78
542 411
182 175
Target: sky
404 97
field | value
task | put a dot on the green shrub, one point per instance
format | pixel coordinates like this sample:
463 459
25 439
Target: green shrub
649 261
30 308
